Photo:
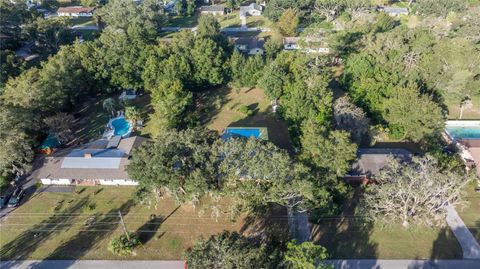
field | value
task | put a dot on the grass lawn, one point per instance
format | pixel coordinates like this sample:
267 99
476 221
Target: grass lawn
472 113
82 21
182 21
91 120
218 109
88 35
471 213
348 238
53 225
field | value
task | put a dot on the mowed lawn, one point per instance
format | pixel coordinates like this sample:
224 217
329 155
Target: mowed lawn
470 214
349 237
79 225
219 108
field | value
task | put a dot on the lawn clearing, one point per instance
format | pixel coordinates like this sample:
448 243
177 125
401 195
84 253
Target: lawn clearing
470 214
81 21
219 108
472 113
182 21
53 225
348 236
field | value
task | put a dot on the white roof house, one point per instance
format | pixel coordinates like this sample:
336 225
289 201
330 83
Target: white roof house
394 11
306 44
102 162
76 11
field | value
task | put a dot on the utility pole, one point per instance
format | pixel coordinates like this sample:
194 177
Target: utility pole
123 225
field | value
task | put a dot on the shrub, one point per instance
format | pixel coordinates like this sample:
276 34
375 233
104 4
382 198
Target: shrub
123 246
396 132
245 110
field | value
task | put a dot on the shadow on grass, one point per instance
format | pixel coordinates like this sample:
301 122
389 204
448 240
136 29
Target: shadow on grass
99 227
148 230
446 246
267 224
26 243
346 236
209 103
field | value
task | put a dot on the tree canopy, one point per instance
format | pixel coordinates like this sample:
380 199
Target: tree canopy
413 193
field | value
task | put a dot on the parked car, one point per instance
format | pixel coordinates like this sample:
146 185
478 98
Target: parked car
17 196
4 199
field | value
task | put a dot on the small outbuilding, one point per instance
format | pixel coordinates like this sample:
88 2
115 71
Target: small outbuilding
249 45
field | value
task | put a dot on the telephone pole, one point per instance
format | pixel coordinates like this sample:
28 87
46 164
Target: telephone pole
123 225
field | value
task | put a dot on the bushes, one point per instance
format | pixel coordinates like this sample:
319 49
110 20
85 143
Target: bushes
246 110
123 246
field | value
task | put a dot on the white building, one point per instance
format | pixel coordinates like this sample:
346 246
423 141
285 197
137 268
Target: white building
76 11
102 162
307 44
394 11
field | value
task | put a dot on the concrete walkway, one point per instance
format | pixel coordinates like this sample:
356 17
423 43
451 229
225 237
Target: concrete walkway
470 246
89 264
299 226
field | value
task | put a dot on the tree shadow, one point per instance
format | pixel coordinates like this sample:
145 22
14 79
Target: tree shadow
346 236
209 103
26 243
97 228
148 230
267 224
446 246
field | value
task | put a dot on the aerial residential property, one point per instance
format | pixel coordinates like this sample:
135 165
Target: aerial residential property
76 11
249 46
226 134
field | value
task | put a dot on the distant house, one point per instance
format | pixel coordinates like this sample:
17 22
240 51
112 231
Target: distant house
101 162
76 11
249 45
170 6
250 10
371 160
394 11
127 95
307 44
214 10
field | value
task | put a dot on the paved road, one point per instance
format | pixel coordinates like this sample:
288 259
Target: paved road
406 264
89 264
228 30
470 246
85 27
299 226
339 264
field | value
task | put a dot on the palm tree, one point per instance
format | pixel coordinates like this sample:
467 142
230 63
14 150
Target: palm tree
465 103
109 105
132 114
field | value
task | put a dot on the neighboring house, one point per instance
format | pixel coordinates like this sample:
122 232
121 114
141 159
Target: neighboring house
214 10
127 95
76 11
170 6
249 45
102 162
371 160
394 11
250 10
307 44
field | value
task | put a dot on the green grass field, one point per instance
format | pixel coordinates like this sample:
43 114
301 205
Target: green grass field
54 225
470 214
219 109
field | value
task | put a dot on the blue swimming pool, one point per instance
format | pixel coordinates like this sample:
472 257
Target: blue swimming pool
120 126
242 132
463 132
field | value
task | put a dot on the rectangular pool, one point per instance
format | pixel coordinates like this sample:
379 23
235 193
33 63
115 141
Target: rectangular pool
235 132
463 132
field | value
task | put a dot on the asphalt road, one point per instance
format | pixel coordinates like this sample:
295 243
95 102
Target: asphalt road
339 264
